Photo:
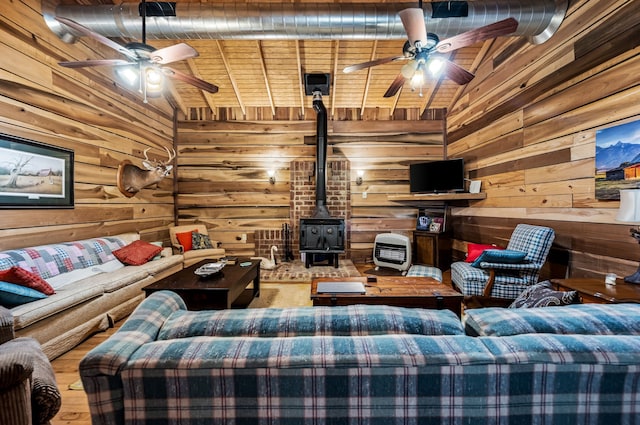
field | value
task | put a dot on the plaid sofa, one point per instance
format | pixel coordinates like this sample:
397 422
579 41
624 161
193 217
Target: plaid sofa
341 374
576 319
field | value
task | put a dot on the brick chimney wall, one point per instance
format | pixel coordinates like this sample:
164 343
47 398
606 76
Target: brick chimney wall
303 196
303 201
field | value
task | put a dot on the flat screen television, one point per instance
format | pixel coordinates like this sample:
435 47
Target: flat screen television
442 176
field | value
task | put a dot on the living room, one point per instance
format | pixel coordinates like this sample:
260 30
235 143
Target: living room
526 126
505 125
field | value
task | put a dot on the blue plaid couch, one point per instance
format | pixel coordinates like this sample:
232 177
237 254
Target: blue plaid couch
315 366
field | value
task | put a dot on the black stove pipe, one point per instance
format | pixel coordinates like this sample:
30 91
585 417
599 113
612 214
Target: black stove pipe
321 210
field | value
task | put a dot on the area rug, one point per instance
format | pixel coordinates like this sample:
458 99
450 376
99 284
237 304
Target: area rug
282 295
295 271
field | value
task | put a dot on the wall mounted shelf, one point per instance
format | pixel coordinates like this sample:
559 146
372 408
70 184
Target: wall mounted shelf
420 198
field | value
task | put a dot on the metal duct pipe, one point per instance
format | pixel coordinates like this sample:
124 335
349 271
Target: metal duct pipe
538 20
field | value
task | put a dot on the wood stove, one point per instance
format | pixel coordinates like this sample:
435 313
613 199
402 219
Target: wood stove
321 239
321 236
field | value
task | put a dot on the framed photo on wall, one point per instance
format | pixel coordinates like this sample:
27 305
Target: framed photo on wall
34 175
617 160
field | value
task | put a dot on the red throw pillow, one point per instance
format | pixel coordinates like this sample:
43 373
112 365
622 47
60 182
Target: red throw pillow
25 278
137 253
185 239
475 249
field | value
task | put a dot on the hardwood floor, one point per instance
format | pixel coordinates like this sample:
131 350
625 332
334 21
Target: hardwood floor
75 409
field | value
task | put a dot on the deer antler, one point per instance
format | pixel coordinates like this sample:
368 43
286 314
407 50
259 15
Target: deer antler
171 153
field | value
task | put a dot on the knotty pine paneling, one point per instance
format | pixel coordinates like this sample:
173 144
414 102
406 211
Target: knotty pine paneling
223 181
528 133
79 109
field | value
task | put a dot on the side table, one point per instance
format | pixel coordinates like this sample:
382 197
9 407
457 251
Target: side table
596 291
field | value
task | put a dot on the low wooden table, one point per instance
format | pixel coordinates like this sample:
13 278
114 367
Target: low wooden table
422 292
213 292
596 291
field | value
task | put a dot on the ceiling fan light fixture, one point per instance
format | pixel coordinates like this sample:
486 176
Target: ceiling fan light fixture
154 79
409 69
417 80
435 66
128 75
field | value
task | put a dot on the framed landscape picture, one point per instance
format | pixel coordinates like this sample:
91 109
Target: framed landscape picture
617 160
34 175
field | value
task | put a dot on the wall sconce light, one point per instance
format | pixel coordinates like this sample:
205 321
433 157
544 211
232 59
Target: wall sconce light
272 176
360 174
629 212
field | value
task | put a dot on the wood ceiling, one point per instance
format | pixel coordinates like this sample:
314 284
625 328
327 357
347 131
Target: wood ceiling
263 79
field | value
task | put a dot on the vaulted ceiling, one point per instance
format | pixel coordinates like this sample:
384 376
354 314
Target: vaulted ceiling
266 74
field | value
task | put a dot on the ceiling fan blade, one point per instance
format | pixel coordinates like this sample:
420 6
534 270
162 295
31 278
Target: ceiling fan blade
104 40
174 53
497 29
395 86
189 79
94 62
456 73
369 64
413 23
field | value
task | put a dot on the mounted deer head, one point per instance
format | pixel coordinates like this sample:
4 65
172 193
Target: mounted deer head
131 178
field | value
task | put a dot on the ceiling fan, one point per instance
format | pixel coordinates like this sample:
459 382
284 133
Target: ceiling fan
422 47
144 60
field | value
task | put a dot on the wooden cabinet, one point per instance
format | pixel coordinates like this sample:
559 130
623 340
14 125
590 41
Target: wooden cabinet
432 249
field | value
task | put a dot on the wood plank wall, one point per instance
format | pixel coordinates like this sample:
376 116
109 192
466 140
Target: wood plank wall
83 111
526 127
223 182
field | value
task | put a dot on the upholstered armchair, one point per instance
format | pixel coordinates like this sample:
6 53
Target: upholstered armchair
29 394
204 248
518 268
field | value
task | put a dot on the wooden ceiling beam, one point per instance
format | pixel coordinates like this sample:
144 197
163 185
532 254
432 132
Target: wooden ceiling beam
335 76
484 50
396 99
231 77
177 99
208 97
367 83
266 78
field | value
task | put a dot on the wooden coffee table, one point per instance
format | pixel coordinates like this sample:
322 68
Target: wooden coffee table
213 292
422 292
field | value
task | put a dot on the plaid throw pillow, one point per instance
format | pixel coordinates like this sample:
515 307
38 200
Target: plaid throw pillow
200 241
